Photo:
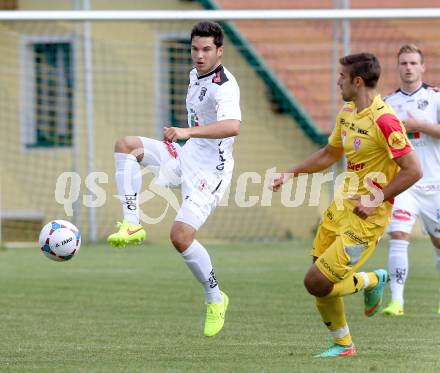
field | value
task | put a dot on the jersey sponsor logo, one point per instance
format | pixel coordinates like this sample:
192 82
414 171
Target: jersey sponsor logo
355 166
402 215
422 104
203 91
357 144
396 140
329 268
355 237
347 109
352 127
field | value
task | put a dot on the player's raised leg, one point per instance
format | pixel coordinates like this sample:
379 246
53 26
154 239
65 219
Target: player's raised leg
332 313
128 154
198 261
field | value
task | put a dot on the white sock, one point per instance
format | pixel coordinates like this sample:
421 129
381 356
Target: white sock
198 261
398 268
128 182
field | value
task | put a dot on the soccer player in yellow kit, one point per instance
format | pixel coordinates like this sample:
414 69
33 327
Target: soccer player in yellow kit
382 161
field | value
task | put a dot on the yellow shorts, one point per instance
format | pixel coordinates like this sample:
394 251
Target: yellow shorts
344 242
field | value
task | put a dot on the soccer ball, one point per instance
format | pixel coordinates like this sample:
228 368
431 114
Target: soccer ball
60 240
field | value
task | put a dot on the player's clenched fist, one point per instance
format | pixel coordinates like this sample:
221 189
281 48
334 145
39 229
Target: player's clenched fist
279 180
173 134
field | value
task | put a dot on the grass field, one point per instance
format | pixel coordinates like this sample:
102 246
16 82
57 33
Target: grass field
139 309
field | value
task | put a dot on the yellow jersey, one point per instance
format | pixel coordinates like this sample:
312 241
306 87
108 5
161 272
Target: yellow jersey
371 140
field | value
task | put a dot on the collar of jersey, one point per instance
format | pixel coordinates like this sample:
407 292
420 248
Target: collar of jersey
216 70
367 109
423 85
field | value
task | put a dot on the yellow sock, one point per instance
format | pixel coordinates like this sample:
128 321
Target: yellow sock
333 315
354 283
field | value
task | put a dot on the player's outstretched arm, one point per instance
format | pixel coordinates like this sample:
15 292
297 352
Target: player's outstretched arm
410 171
318 161
217 130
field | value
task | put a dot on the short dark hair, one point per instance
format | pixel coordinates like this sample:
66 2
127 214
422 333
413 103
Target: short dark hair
365 65
206 29
410 48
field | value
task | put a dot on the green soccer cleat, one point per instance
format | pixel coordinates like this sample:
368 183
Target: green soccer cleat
395 308
215 316
128 234
373 297
338 350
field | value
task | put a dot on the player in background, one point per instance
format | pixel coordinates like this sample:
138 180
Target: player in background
203 166
418 106
374 142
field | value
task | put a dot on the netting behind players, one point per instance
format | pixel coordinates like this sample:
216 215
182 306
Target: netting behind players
139 76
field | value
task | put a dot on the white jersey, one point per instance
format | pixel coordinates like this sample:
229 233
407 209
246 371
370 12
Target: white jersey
423 104
211 97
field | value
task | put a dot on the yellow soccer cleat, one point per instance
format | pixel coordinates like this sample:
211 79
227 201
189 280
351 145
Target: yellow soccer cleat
215 316
128 234
393 309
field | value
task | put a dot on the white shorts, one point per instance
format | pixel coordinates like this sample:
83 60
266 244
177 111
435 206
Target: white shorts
201 189
415 202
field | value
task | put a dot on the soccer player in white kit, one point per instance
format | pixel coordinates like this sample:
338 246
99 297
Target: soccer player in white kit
202 167
418 106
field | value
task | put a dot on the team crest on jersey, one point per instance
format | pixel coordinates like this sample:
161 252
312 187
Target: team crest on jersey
202 93
422 104
357 143
396 140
